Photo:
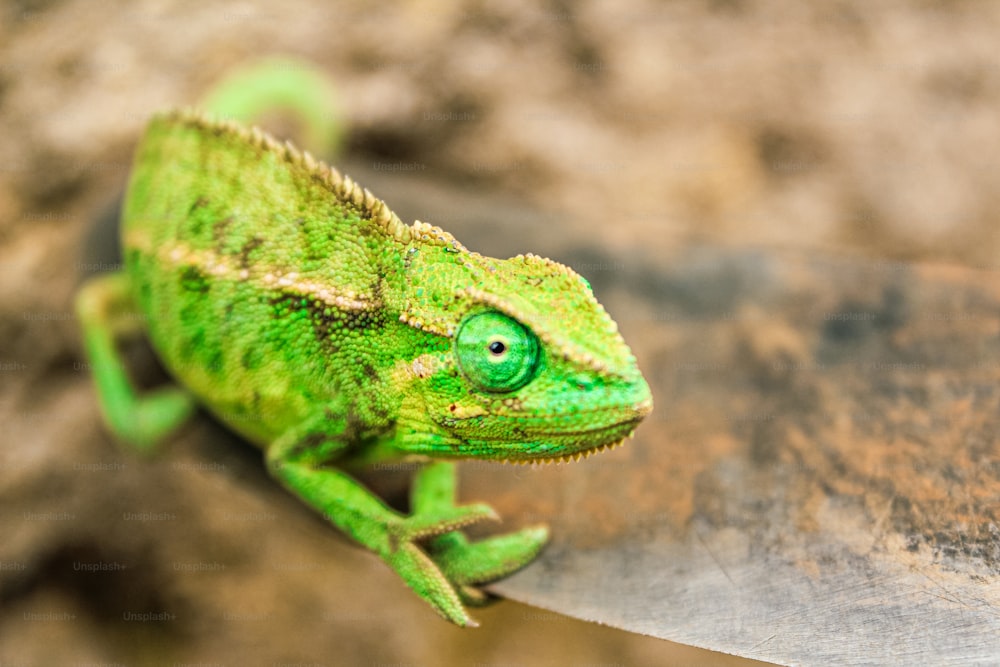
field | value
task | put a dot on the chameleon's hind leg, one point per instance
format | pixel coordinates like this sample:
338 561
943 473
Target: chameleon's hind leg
107 312
466 563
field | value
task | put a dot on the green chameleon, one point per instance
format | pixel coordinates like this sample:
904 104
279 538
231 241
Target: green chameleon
300 311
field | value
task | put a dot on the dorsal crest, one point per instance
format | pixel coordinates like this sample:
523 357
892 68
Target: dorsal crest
342 187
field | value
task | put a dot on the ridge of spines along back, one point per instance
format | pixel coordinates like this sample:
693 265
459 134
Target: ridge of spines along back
350 192
343 187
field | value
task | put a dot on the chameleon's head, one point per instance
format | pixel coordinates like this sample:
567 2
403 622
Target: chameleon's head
535 369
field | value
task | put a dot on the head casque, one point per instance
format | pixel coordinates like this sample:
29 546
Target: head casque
536 369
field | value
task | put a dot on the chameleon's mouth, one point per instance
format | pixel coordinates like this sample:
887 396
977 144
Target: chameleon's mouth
566 458
573 445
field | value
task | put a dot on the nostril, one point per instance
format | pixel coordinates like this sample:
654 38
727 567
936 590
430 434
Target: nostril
583 382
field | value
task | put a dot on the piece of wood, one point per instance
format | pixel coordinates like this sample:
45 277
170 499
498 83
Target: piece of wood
820 480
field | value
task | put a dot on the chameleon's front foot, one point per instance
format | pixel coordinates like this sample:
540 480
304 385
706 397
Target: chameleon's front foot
425 548
448 569
468 564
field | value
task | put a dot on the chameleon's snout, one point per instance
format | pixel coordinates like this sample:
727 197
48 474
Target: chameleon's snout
638 398
644 407
611 417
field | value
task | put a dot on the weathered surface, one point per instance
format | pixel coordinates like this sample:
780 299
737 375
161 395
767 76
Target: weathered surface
822 482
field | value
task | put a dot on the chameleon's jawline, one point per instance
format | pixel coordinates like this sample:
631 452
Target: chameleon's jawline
567 458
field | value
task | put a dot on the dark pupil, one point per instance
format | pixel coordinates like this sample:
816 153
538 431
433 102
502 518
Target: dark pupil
496 347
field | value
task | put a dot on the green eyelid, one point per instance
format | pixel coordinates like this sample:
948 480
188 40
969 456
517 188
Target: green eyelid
506 371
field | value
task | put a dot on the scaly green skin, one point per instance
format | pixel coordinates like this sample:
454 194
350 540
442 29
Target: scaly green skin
300 311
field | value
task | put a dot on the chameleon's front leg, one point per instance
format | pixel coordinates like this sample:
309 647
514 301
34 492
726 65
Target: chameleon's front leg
443 571
465 563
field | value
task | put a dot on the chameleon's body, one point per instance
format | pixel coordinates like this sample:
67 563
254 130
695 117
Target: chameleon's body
305 315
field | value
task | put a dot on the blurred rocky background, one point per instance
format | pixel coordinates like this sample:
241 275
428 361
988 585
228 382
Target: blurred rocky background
622 132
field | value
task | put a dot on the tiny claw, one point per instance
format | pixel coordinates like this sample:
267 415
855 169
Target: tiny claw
417 528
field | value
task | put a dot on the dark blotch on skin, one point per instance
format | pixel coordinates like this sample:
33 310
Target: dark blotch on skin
219 230
354 428
216 362
326 325
307 445
191 346
248 248
193 280
197 221
362 319
249 360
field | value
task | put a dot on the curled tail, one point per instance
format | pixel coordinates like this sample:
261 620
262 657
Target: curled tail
281 84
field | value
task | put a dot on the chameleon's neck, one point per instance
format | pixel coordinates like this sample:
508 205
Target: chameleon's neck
382 453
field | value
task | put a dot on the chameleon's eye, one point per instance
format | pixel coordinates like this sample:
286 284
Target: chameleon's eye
495 352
